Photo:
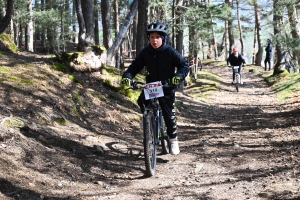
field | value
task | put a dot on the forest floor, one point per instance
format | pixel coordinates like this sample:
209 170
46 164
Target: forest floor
234 145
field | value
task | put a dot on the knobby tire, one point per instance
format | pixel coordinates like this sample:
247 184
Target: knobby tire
149 144
164 138
237 84
200 67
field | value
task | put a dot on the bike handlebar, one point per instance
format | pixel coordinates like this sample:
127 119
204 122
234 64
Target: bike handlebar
136 84
231 66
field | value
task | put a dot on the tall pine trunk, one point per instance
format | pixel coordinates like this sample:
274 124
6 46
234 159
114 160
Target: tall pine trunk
240 27
105 11
277 18
295 32
5 21
258 56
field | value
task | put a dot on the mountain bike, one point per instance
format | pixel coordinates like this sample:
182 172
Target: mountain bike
154 128
288 62
195 67
237 77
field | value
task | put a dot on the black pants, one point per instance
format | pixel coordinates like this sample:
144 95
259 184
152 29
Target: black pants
267 61
167 104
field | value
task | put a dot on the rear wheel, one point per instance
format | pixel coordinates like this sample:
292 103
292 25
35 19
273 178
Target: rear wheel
288 67
149 144
200 65
164 138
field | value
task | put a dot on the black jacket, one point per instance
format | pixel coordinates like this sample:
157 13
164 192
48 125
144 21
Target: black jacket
269 53
235 61
161 64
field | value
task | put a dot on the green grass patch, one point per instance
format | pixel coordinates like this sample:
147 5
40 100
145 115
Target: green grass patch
110 70
20 78
5 70
213 62
13 123
203 87
285 84
9 42
73 78
61 68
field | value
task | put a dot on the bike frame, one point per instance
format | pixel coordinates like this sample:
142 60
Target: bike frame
237 77
157 115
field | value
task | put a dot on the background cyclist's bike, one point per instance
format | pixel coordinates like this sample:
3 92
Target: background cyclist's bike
288 62
153 124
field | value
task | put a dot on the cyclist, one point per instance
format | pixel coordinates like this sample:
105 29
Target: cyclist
269 54
160 60
236 59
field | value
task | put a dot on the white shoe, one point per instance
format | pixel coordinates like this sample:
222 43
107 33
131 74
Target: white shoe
174 147
242 82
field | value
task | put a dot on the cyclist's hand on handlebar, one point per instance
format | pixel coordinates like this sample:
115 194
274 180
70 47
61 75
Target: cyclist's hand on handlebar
176 80
126 81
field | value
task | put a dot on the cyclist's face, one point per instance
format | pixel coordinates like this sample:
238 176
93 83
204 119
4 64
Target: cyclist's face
155 40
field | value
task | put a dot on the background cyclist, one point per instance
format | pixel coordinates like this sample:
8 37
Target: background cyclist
236 59
162 62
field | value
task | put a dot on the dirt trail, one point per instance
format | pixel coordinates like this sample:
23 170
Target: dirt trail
233 146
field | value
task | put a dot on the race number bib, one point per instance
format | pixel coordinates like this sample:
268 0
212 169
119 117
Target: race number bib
153 90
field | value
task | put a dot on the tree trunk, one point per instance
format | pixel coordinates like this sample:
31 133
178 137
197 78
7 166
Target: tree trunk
179 22
134 35
29 29
215 45
142 25
16 32
172 40
88 15
113 49
240 27
192 39
43 36
20 37
254 45
5 21
118 57
74 38
295 32
96 19
277 18
230 31
50 29
81 24
226 45
258 56
62 26
105 11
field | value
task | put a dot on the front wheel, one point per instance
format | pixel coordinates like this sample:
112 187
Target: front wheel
237 85
149 144
288 68
200 65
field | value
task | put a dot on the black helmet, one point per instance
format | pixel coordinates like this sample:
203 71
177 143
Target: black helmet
157 27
